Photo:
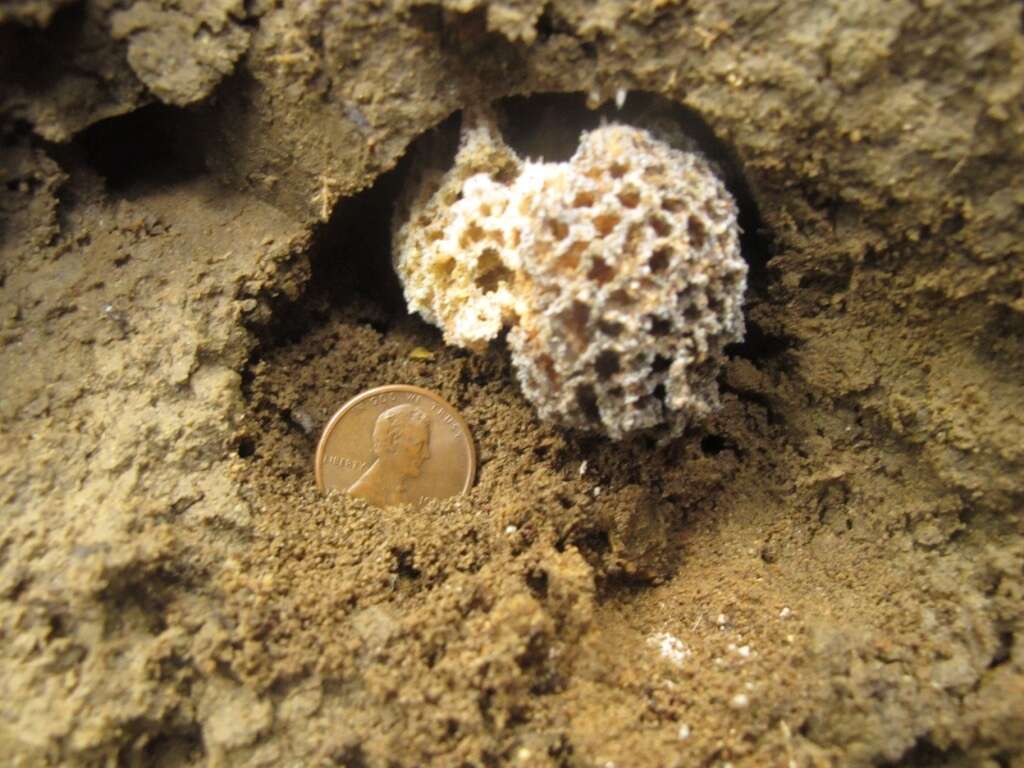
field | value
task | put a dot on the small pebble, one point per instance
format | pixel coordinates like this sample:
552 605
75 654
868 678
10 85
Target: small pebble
739 701
421 353
670 647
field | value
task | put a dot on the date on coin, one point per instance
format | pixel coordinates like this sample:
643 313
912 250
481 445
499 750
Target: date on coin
397 444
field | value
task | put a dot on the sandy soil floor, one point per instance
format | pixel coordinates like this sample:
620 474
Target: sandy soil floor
194 216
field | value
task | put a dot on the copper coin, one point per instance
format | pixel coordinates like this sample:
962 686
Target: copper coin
397 444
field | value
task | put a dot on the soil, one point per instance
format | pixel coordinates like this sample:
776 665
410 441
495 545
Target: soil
194 216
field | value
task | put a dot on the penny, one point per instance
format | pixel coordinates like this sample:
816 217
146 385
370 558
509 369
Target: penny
396 444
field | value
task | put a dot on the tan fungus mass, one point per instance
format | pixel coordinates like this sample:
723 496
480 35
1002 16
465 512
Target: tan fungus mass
618 273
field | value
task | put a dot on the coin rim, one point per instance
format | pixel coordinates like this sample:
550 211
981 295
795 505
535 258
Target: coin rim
322 445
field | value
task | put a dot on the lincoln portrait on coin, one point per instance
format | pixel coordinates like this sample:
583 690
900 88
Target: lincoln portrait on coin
401 443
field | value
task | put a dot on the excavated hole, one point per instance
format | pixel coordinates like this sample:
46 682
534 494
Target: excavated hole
587 400
151 147
712 445
350 259
166 746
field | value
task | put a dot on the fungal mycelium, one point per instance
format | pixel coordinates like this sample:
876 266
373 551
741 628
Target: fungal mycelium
617 273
